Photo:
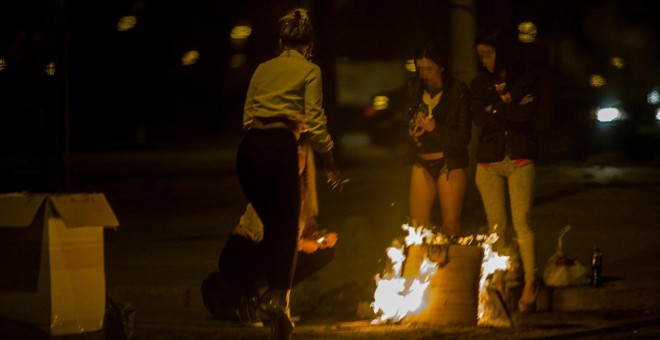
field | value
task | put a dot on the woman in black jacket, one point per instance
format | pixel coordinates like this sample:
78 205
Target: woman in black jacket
439 127
504 102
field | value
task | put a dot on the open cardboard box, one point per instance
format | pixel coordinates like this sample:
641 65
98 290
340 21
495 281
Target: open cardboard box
52 271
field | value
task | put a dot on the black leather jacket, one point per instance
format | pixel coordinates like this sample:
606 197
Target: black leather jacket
453 123
507 129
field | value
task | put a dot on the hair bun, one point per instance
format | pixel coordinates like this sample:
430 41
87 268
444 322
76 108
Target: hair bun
296 28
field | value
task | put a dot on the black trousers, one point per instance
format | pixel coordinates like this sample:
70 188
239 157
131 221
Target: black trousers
267 167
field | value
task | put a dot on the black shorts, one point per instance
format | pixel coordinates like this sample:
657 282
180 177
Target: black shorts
434 166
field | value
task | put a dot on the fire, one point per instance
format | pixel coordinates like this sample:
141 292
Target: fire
398 295
492 262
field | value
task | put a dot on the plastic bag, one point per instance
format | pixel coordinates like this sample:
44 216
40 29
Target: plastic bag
561 271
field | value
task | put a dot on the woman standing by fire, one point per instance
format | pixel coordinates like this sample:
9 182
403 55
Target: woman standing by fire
504 102
284 99
439 126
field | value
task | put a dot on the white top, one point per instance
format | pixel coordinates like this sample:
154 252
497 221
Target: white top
431 102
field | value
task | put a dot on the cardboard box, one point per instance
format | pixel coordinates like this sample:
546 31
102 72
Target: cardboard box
52 269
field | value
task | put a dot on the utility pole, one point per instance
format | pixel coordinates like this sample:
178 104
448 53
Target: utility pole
464 64
463 32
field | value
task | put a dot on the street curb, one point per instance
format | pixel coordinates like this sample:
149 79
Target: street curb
182 300
614 296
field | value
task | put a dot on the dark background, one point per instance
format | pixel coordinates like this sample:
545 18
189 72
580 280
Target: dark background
124 90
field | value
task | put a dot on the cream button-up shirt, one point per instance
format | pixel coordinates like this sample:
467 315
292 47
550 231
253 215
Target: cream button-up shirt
289 86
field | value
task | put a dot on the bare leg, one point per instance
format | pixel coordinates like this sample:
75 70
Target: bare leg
451 187
422 195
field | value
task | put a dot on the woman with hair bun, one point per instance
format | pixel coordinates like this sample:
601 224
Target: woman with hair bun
284 99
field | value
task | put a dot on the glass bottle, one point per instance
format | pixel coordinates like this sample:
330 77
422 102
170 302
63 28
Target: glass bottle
596 267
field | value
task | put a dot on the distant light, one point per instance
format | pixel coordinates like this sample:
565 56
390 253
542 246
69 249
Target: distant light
617 62
50 68
527 32
526 38
190 58
608 114
653 97
126 23
3 64
597 80
381 103
410 66
240 32
237 61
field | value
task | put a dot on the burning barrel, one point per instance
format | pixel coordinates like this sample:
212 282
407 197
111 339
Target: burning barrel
452 297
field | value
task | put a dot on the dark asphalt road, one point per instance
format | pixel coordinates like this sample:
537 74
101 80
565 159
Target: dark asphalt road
176 209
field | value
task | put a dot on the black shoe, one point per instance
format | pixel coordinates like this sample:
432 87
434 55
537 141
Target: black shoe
276 304
247 312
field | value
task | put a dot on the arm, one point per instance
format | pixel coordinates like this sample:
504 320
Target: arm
335 178
315 118
320 139
524 103
491 111
463 131
482 98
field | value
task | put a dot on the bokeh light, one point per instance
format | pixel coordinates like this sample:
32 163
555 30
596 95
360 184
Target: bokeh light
617 62
381 103
527 32
653 97
126 23
608 114
190 58
597 80
50 68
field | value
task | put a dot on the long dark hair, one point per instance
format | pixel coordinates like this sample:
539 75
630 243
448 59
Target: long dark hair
507 53
438 54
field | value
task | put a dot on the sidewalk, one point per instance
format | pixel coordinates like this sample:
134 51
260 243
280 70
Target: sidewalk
169 239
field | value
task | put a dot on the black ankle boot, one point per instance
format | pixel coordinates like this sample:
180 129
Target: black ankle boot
247 312
276 303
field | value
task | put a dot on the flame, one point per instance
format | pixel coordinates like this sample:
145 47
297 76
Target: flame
397 296
492 262
416 235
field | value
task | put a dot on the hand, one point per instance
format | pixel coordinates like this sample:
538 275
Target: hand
332 172
336 180
526 99
426 122
308 246
500 87
328 241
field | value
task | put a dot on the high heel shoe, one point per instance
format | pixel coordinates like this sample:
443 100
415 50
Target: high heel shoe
528 304
275 303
